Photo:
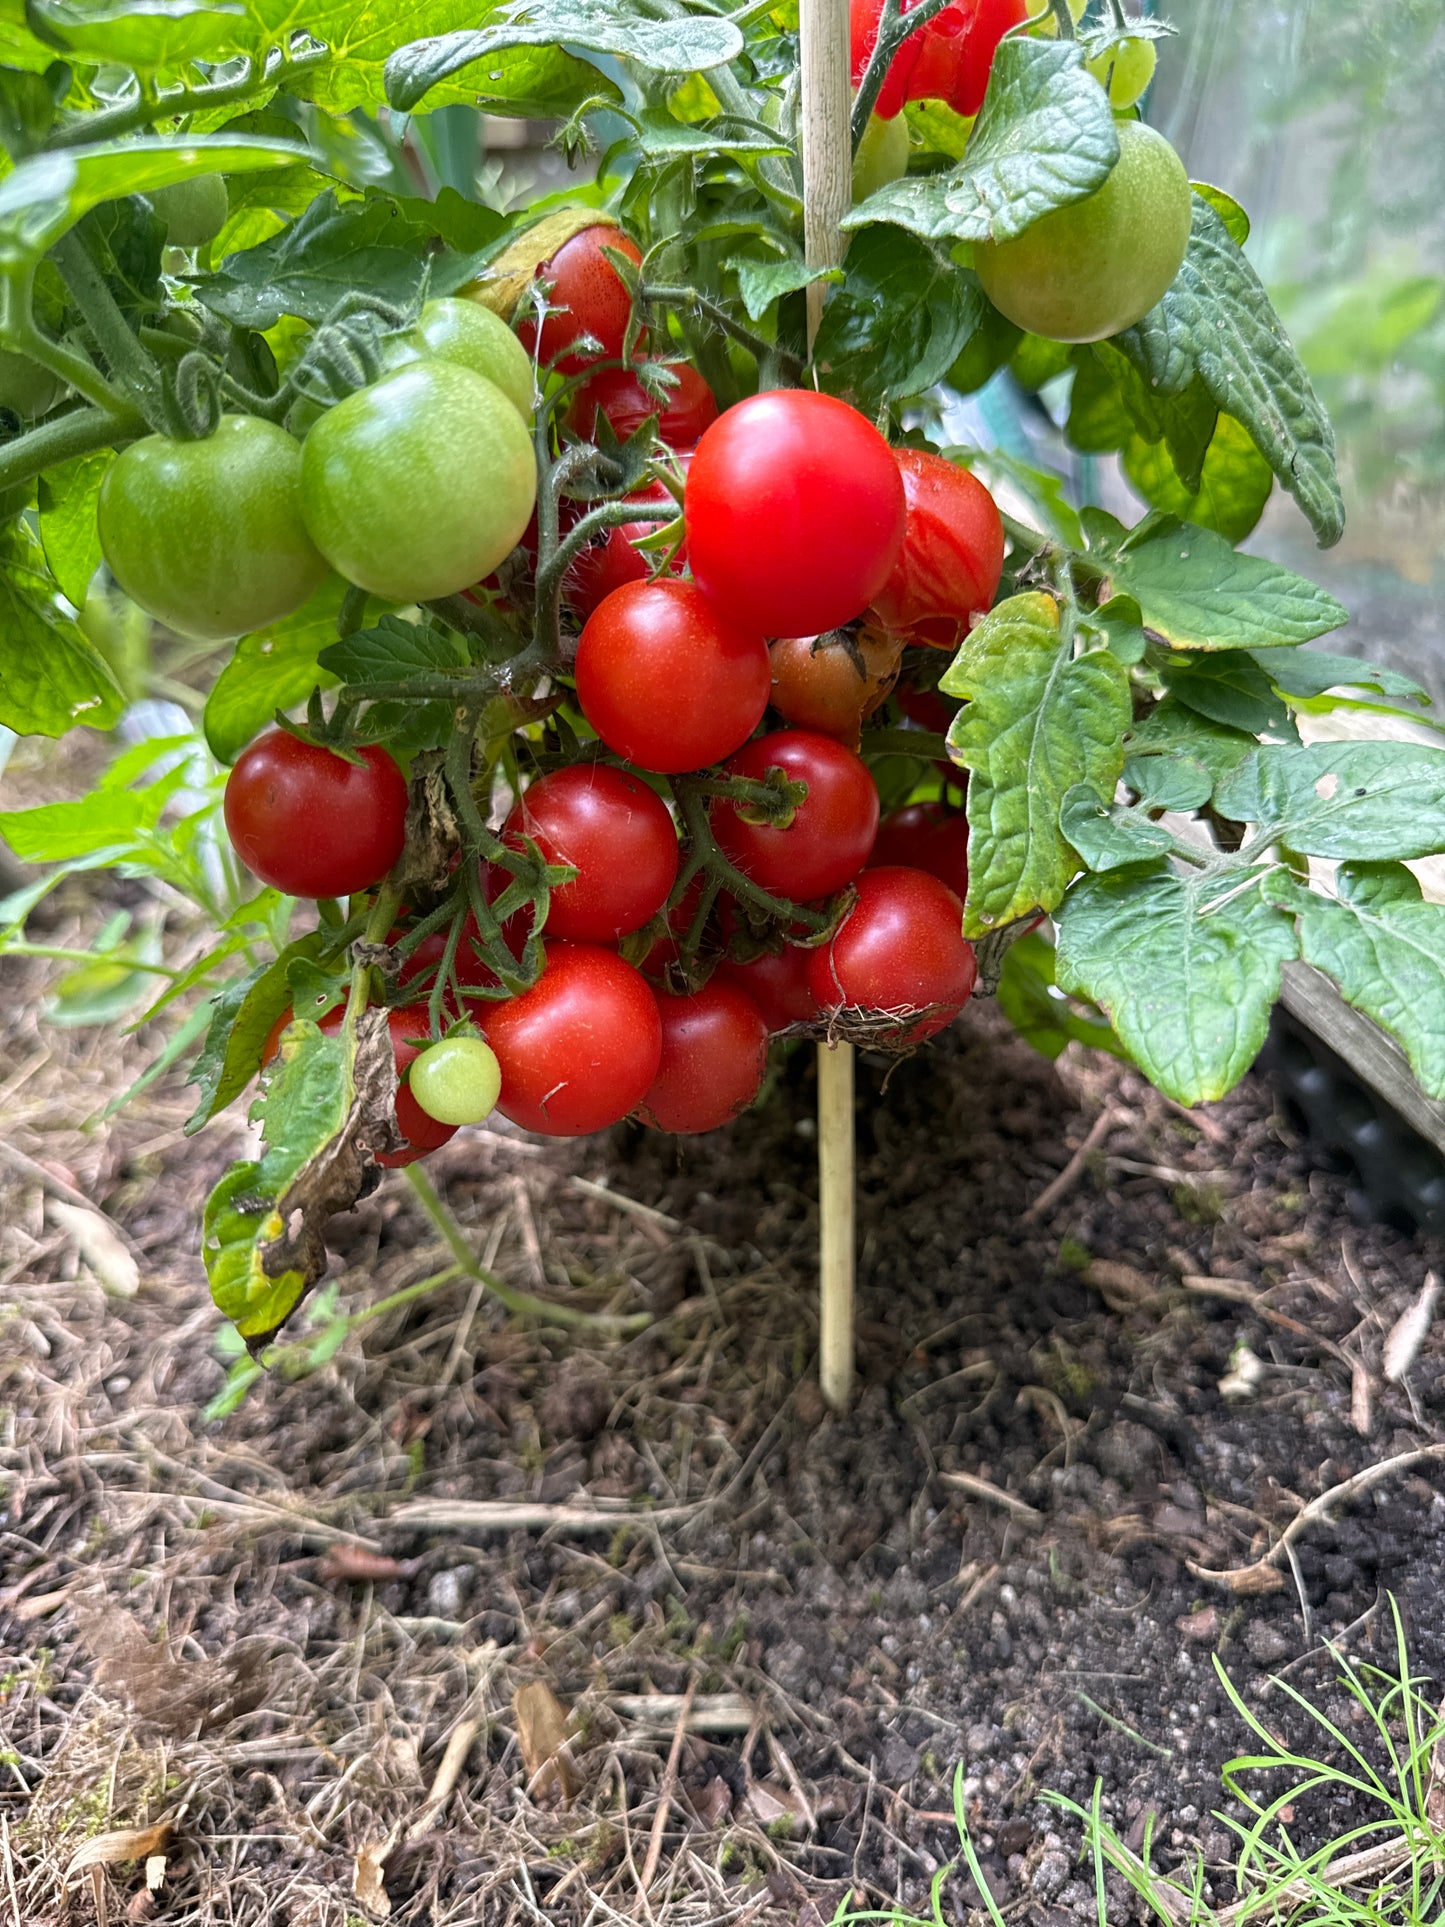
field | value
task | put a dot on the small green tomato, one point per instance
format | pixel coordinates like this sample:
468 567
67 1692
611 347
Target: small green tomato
457 1081
193 210
882 155
1125 70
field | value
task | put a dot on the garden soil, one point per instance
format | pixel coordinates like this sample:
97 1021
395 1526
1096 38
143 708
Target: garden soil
742 1692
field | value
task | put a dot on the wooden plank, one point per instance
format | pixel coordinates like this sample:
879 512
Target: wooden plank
1374 1057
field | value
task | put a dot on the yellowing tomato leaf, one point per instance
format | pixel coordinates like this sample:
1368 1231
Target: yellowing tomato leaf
1197 592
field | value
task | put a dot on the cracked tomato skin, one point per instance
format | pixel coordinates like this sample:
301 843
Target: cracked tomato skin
578 1050
951 558
714 1054
617 835
832 831
591 299
308 822
900 949
668 680
949 60
794 512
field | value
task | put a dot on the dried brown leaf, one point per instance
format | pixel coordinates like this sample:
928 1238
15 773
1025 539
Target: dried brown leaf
100 1245
126 1843
542 1723
368 1877
184 1697
1409 1331
357 1565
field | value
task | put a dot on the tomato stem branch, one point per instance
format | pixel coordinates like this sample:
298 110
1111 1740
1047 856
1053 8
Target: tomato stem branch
1064 18
757 346
521 1304
171 103
129 363
80 432
19 334
692 801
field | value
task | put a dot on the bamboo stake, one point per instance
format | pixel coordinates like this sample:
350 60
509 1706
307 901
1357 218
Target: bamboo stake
827 195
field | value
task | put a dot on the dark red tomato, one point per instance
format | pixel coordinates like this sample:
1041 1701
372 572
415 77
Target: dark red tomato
778 985
927 708
591 296
615 833
832 831
613 561
310 823
422 962
688 409
947 60
409 1036
833 683
714 1054
900 949
794 511
925 836
668 680
578 1050
949 566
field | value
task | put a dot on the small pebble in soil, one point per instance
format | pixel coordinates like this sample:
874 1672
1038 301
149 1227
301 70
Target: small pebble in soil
447 1593
1265 1643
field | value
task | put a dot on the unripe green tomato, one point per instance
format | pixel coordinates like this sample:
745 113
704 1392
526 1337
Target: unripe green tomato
457 1081
208 536
1097 266
471 336
882 155
1126 70
1078 8
194 210
27 388
419 485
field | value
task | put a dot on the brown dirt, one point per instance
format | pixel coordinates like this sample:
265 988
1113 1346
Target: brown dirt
187 1643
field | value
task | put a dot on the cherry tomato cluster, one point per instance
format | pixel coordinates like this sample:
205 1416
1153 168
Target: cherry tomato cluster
722 880
948 60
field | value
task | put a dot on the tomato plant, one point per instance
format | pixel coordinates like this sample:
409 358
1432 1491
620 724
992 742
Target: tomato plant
266 381
312 823
456 1081
714 1053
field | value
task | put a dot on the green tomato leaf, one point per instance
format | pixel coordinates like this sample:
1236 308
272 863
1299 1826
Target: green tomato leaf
1109 836
1111 406
126 240
326 1109
1384 946
1227 208
1234 483
761 283
1172 729
900 320
1043 138
1360 801
242 1014
1028 996
1310 672
1036 721
1042 490
1121 623
1217 321
51 675
392 648
687 44
1228 686
1197 592
46 195
1169 782
145 35
68 531
273 668
1186 968
662 135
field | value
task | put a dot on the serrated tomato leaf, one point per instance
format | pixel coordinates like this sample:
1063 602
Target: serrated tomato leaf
1186 968
1036 720
1350 801
901 319
51 675
1197 592
1109 836
272 668
1048 1022
242 1014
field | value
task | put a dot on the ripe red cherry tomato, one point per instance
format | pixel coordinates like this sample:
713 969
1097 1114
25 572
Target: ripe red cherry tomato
949 566
422 962
947 60
615 833
794 512
668 949
833 683
310 823
832 831
925 836
899 949
617 393
592 297
409 1035
714 1053
578 1050
927 708
778 985
668 680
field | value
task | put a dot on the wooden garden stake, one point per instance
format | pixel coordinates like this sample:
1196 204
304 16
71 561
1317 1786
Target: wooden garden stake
827 195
